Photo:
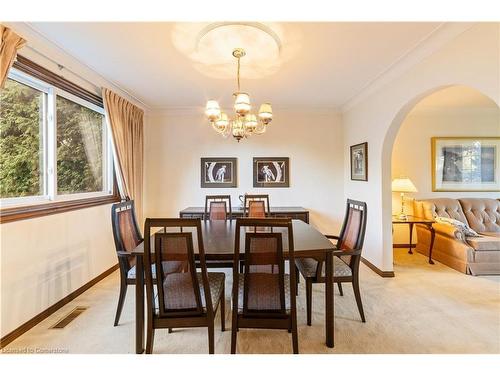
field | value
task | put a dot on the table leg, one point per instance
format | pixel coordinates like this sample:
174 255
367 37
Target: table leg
329 313
139 305
433 234
411 237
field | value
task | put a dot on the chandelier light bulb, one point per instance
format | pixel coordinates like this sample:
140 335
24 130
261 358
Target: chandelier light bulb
212 110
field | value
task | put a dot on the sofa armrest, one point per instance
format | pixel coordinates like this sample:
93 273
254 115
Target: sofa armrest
449 230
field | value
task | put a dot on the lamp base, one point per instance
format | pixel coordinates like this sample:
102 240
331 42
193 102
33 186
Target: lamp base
403 217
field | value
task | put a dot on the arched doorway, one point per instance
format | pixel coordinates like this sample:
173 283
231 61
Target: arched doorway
388 144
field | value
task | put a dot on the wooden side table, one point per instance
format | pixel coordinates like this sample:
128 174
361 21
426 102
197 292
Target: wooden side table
411 221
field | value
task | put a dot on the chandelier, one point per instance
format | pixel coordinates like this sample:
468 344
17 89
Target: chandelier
245 123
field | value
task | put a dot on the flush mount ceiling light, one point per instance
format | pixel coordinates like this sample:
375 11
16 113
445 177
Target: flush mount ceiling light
210 46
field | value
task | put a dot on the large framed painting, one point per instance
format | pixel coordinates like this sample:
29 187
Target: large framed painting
359 162
219 172
465 163
271 172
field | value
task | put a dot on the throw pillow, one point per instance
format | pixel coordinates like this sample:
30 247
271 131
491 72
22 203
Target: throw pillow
462 227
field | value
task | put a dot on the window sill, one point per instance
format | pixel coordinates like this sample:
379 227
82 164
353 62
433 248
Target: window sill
10 214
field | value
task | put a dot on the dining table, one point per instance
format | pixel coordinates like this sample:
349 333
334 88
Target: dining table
218 239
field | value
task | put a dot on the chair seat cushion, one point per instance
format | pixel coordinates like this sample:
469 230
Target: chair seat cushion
264 294
216 282
309 266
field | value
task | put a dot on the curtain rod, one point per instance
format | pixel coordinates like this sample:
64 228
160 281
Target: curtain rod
97 88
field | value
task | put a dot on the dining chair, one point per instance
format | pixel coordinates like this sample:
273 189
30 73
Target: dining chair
346 265
256 206
127 236
218 207
185 297
264 295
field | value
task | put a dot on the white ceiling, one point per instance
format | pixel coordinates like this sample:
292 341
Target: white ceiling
335 61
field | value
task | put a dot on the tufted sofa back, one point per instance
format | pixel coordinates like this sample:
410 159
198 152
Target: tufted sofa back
483 214
445 207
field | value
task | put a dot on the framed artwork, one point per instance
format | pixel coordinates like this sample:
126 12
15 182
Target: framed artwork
465 163
271 172
219 172
359 162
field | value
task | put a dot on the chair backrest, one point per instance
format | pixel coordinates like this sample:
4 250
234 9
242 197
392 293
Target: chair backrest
352 234
264 267
173 258
126 232
256 206
218 207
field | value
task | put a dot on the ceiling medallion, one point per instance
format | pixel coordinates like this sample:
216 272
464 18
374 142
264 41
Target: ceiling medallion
268 45
245 123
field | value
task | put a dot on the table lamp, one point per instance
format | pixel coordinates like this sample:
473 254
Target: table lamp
403 185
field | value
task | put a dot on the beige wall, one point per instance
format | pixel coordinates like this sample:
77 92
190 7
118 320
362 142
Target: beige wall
472 59
43 260
411 154
176 140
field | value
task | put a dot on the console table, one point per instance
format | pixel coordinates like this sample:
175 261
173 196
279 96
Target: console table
299 213
411 221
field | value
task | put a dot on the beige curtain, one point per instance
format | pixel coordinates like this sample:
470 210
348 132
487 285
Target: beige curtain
9 44
127 122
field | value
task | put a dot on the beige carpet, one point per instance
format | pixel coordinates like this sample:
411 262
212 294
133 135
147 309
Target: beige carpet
424 309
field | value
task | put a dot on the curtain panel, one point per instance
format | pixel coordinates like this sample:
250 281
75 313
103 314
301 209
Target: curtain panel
9 44
126 122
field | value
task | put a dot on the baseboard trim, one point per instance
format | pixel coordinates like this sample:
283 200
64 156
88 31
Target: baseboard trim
377 270
8 338
404 245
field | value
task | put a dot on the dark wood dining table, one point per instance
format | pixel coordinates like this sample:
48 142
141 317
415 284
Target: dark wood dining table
218 237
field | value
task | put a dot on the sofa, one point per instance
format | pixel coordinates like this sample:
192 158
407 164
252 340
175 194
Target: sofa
452 246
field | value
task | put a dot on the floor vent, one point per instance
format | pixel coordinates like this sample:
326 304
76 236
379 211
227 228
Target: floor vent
70 317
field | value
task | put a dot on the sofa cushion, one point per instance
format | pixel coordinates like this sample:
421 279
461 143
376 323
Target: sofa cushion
490 234
482 214
444 207
484 243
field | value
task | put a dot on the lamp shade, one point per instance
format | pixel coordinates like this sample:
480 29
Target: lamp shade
212 110
242 104
403 185
250 122
266 112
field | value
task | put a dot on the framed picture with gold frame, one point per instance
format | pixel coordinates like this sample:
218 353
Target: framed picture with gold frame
465 163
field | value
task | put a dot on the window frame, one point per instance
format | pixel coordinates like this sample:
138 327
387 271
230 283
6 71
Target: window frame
52 85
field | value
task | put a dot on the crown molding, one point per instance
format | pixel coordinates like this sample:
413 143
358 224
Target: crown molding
199 110
425 47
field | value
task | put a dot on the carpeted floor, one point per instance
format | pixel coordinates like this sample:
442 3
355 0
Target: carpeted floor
424 309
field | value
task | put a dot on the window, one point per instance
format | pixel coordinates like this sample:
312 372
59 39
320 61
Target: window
22 113
54 145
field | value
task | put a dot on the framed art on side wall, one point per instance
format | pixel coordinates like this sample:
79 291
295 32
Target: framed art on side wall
359 162
465 163
219 172
271 172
